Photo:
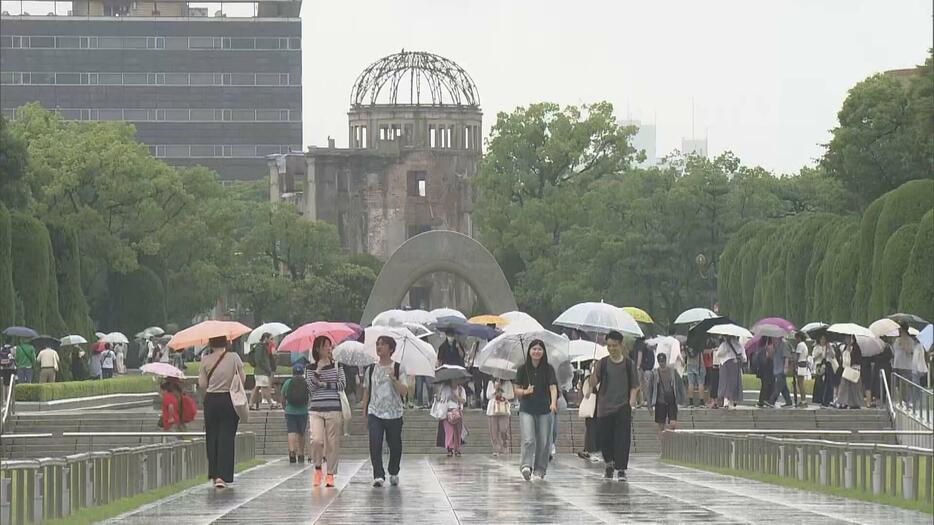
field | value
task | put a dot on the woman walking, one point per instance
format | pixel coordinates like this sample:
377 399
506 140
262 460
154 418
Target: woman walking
326 381
851 393
730 354
218 371
824 364
452 398
538 392
500 394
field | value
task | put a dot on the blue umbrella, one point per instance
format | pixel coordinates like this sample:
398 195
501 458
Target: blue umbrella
21 331
462 327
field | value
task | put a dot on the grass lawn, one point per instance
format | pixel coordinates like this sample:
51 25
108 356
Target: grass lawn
115 508
73 389
858 494
751 382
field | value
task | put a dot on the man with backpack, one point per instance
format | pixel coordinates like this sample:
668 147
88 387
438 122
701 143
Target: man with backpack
295 402
384 390
616 382
7 370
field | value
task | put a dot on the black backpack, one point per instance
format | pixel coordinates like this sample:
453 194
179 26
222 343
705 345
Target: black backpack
297 393
6 357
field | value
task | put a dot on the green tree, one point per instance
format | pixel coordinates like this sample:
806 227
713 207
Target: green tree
12 168
7 292
917 292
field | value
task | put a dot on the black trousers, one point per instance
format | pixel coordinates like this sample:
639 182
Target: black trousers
767 381
220 429
591 439
823 388
615 434
392 428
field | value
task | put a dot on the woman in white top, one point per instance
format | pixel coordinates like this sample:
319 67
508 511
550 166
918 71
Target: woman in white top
731 355
453 396
218 372
824 362
500 395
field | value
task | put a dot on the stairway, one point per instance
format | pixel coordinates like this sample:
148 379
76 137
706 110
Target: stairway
419 429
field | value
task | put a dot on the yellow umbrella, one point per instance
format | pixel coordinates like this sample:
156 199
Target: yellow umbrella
489 319
638 314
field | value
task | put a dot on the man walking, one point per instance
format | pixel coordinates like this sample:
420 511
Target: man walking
48 365
616 382
383 394
780 363
25 356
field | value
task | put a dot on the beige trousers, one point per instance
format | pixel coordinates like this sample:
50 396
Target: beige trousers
47 375
325 438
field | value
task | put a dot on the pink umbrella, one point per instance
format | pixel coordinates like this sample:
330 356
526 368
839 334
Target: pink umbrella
301 339
774 327
162 369
202 332
752 345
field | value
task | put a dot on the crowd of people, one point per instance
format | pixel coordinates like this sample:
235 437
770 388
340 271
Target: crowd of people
20 357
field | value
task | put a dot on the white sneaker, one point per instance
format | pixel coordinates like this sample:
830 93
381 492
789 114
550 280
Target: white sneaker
378 482
594 458
394 480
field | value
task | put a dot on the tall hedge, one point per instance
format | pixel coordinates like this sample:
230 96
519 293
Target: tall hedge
31 268
797 263
71 300
917 293
7 292
138 301
824 283
867 240
904 205
54 324
894 261
818 251
846 269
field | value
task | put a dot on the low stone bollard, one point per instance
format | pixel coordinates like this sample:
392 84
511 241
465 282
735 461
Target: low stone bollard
877 474
802 471
849 473
908 475
824 468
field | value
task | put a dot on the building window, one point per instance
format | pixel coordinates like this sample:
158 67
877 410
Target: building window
417 183
411 230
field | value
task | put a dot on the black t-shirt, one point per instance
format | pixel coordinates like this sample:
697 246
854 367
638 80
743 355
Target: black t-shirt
450 354
542 377
648 355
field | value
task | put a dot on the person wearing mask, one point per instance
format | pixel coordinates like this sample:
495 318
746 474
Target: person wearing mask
801 368
781 361
108 360
326 381
731 357
25 357
451 352
498 410
385 388
665 393
48 365
537 389
215 378
263 358
615 380
850 391
824 365
295 397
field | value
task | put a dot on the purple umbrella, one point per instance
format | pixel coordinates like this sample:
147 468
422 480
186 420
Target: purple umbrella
752 345
774 327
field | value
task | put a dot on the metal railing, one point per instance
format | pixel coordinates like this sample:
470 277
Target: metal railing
32 491
8 405
911 407
895 470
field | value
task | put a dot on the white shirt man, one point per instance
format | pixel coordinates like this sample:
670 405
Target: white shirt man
48 365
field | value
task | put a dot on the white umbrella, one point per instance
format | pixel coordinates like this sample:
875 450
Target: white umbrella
100 335
421 317
162 369
499 367
850 329
671 347
522 325
438 313
695 315
580 350
513 348
73 340
598 317
884 327
869 345
394 317
420 330
926 337
515 316
115 337
417 357
729 329
810 327
273 329
354 353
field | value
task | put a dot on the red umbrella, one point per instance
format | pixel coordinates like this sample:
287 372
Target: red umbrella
301 339
97 347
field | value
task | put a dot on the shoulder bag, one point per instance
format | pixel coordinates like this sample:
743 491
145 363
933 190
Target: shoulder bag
237 392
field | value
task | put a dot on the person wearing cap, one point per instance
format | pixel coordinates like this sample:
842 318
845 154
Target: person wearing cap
665 393
295 406
215 378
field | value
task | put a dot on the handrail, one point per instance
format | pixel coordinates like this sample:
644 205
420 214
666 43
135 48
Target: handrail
136 434
8 401
888 395
910 382
788 431
26 436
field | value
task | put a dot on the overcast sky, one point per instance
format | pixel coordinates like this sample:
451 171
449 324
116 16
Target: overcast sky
767 78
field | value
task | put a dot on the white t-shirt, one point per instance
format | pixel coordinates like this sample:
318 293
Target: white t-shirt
802 351
448 397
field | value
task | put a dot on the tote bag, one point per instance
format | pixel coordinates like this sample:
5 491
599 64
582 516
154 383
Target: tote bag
587 407
238 398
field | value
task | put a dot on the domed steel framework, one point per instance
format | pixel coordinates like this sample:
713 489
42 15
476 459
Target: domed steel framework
421 78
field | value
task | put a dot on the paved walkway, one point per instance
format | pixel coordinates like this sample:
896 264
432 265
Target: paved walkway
479 489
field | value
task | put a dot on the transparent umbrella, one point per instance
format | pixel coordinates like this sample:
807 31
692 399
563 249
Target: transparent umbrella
353 353
416 357
512 348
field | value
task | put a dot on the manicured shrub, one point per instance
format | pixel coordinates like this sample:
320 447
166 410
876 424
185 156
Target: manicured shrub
7 292
917 293
73 389
895 259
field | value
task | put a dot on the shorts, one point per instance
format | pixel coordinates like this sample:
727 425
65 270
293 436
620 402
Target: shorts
696 375
261 380
296 424
666 413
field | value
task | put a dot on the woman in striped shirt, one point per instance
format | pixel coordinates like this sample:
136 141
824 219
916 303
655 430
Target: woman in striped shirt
326 381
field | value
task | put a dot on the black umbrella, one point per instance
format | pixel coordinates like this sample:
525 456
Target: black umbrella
461 327
449 372
20 331
45 341
698 335
910 319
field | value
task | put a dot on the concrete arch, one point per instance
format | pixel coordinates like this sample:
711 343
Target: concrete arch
440 251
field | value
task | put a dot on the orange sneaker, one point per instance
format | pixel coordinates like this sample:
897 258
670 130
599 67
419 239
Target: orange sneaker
317 479
329 481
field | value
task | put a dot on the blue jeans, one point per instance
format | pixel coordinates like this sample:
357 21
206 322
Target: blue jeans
536 441
422 392
24 375
780 388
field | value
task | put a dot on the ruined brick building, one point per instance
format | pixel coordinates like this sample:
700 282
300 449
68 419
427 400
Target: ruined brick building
414 136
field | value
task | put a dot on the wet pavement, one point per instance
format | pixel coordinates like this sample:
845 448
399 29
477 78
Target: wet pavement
480 489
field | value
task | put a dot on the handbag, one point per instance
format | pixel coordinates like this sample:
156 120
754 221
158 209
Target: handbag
438 410
587 407
454 415
851 374
345 406
500 407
